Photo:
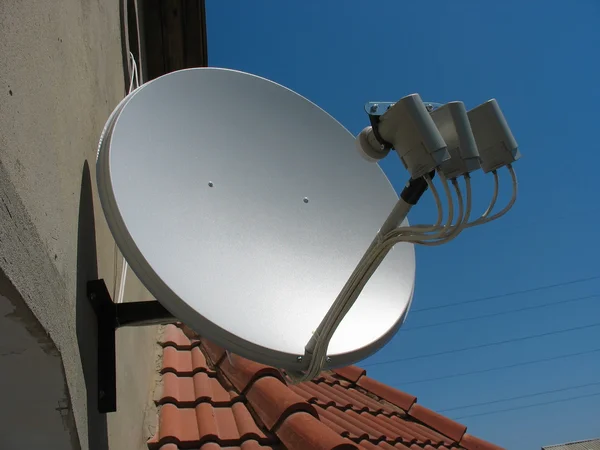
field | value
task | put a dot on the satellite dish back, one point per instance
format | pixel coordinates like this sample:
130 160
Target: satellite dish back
244 208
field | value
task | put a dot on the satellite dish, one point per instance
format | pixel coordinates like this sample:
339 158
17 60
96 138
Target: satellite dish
244 208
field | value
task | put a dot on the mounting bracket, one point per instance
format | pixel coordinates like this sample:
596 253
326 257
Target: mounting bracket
110 316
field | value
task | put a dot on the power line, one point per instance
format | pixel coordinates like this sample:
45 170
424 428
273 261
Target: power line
489 344
533 405
508 366
506 294
518 397
501 313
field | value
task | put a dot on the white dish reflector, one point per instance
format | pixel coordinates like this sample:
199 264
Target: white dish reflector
244 208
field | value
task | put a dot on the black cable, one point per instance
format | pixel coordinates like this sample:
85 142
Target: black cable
568 399
508 366
506 294
501 313
489 344
518 397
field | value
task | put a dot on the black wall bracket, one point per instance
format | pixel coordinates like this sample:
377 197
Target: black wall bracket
111 316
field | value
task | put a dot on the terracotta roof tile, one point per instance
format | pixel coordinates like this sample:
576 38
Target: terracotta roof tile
362 402
213 351
394 396
474 443
185 362
354 419
293 434
212 401
342 426
246 445
174 336
350 373
420 432
394 433
381 446
327 378
273 401
195 426
326 395
438 422
242 372
188 391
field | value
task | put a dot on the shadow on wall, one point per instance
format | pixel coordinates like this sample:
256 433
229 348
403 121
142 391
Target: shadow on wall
87 333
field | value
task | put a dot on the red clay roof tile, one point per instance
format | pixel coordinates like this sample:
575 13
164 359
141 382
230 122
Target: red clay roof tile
273 401
418 431
474 443
232 403
188 391
350 373
343 426
184 362
438 422
254 445
327 378
246 445
304 390
242 372
391 431
176 361
191 427
326 395
360 401
175 337
177 390
213 351
326 418
351 418
380 446
293 434
199 361
394 396
210 389
177 425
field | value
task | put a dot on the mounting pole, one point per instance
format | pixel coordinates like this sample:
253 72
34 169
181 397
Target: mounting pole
111 316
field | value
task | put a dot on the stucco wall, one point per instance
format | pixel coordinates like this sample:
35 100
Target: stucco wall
60 76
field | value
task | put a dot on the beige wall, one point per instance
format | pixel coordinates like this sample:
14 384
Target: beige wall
60 76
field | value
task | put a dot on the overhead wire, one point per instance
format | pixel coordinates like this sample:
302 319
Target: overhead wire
496 368
506 294
499 313
533 405
485 345
519 397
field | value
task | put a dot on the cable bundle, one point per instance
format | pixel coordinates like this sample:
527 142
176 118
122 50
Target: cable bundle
429 235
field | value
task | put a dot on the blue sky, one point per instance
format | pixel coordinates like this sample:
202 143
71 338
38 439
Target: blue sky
540 60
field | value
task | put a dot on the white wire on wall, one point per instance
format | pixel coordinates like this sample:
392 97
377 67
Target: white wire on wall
133 85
